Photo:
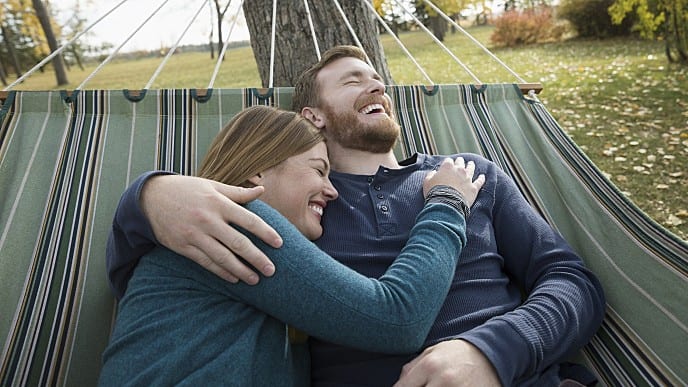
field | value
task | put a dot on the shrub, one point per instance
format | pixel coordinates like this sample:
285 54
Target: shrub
590 18
535 25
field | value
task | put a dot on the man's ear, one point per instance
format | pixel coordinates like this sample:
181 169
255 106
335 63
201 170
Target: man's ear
314 115
256 179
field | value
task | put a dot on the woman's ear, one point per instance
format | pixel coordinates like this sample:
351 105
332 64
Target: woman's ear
256 179
314 115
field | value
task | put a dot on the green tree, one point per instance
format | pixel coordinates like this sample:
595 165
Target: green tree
666 19
393 15
591 19
436 23
14 47
75 24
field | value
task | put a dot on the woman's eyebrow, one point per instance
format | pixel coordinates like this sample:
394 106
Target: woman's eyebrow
324 163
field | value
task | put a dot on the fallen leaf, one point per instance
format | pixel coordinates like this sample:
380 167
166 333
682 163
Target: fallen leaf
673 221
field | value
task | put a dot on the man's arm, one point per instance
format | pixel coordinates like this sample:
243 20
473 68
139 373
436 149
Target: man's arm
564 303
192 217
563 308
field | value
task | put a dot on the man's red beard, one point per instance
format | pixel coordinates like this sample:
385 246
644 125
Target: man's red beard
350 132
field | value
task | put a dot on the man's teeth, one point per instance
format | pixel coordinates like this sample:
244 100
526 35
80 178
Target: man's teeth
317 209
370 108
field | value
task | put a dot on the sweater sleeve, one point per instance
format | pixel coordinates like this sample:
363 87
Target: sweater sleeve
564 302
318 295
131 236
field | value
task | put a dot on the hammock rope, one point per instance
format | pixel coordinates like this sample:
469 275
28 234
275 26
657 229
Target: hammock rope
174 48
399 42
530 88
475 41
351 30
272 43
61 48
434 38
220 58
116 50
309 17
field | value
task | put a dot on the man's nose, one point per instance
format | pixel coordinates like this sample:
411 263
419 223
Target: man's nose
376 86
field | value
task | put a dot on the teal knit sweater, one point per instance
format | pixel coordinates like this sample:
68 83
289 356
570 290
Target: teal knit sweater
180 324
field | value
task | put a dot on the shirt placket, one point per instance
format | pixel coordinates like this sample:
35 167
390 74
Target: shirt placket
378 191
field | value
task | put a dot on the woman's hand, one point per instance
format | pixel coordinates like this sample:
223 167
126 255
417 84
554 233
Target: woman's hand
457 174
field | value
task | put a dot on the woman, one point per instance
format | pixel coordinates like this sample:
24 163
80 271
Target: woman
180 324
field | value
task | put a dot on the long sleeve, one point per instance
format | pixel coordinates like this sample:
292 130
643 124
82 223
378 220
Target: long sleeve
564 302
131 236
316 294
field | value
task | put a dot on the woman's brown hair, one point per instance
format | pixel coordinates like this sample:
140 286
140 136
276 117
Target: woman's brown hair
256 139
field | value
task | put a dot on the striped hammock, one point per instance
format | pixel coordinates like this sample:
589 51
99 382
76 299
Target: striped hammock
64 161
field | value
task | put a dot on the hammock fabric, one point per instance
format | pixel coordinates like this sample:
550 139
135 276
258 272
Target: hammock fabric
64 161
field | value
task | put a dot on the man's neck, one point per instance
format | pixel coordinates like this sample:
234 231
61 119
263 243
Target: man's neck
358 162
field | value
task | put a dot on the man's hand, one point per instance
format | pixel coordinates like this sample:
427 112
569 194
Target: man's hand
191 216
449 363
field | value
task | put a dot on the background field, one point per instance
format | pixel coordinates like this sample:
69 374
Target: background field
619 99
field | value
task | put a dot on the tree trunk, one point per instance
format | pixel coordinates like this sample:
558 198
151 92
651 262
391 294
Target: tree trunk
438 26
2 74
11 51
58 62
211 44
294 48
220 17
77 57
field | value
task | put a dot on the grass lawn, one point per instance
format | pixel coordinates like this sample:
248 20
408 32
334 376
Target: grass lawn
619 99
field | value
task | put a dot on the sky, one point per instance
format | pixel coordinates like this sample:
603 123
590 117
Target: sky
162 30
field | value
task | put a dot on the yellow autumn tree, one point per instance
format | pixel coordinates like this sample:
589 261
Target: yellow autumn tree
666 19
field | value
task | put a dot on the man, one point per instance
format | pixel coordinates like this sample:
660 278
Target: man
485 334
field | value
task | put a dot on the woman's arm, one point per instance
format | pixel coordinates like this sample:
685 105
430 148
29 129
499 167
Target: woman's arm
314 293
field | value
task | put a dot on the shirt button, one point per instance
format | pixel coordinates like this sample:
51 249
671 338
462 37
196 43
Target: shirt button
385 171
370 179
377 188
380 196
384 208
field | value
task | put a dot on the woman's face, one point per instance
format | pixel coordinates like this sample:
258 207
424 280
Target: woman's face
299 188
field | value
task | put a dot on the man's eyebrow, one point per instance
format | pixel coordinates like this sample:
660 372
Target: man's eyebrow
351 73
358 74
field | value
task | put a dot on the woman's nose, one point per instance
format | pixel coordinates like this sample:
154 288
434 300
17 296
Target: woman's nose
329 191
